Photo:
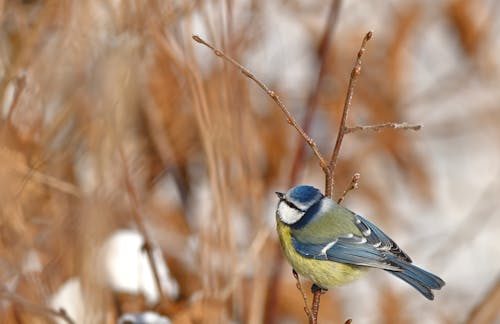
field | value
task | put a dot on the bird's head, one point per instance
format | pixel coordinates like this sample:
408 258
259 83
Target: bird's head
295 203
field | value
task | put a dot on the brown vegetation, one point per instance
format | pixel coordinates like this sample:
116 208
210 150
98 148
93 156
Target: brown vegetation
112 118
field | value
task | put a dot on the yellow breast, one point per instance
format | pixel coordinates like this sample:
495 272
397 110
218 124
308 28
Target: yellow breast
323 273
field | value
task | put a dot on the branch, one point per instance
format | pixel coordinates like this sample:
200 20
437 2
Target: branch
356 70
35 308
289 118
379 127
304 297
352 186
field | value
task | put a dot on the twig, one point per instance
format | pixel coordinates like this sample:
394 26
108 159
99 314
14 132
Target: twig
347 104
304 297
289 118
352 186
147 246
35 308
379 127
312 100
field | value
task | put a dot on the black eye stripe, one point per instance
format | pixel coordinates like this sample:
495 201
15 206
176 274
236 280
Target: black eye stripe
292 205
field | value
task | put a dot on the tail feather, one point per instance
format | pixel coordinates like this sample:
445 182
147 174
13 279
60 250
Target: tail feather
424 290
419 279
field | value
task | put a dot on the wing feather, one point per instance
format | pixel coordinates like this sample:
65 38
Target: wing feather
362 244
379 239
351 250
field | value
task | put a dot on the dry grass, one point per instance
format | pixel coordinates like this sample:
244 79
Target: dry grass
84 81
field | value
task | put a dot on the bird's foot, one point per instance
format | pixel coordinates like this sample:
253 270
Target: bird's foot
315 288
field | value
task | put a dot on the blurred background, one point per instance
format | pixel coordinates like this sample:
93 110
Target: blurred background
115 123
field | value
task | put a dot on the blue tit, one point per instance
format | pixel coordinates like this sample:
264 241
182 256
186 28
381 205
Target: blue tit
330 245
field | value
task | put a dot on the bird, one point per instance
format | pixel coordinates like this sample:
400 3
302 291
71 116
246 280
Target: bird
330 245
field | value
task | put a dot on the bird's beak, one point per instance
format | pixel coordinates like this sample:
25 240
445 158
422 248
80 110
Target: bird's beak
280 195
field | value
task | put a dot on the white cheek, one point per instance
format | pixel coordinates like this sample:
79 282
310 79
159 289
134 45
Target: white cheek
289 215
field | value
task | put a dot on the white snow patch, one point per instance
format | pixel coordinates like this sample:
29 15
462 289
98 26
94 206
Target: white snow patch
128 270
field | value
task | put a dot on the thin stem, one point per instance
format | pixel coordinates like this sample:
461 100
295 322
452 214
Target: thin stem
138 219
353 185
347 104
35 308
379 127
304 297
312 100
270 93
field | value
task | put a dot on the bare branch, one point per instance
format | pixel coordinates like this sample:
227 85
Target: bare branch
379 127
347 104
304 297
352 186
270 93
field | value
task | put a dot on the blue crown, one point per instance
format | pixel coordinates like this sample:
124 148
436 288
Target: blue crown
304 194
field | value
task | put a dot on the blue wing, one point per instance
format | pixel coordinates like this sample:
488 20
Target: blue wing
351 249
373 249
370 249
379 239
